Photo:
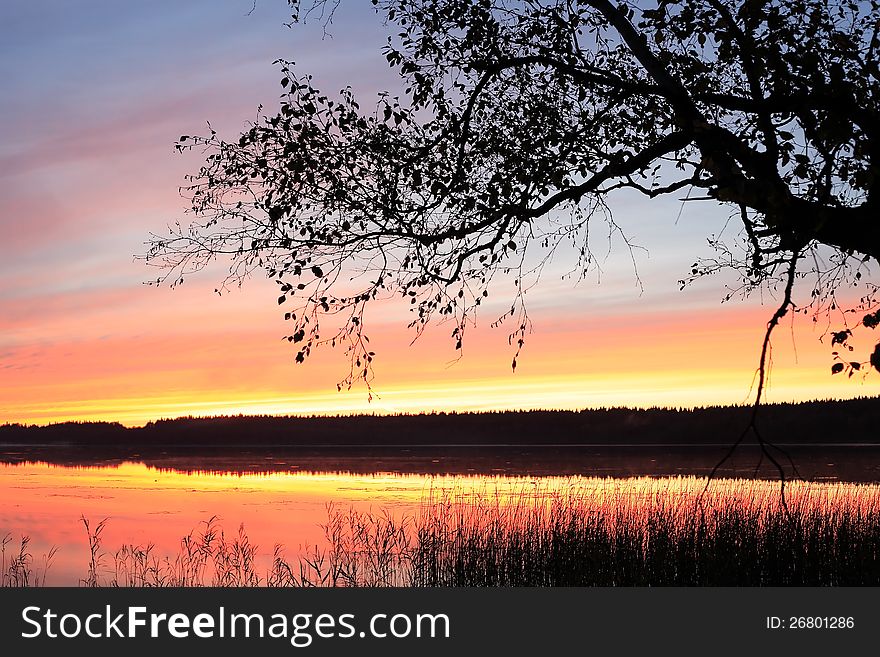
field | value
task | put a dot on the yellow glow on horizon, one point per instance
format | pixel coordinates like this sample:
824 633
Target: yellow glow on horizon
687 388
685 359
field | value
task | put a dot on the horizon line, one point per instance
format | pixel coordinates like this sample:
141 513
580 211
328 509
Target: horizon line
350 415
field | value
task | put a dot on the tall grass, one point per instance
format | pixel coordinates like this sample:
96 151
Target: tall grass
205 558
652 532
580 531
18 568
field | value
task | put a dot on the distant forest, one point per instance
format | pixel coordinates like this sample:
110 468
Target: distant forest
850 421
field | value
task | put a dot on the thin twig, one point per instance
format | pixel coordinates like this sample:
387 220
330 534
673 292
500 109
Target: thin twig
763 364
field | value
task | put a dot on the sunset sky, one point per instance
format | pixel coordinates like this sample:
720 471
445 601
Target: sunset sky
94 95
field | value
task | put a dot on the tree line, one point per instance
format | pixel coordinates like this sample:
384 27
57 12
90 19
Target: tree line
814 422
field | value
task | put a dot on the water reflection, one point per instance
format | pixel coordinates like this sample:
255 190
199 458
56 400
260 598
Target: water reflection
838 462
282 497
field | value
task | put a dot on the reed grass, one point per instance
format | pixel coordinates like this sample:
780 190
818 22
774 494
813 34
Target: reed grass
652 532
206 557
565 532
18 568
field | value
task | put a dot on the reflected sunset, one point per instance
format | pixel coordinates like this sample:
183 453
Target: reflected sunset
291 509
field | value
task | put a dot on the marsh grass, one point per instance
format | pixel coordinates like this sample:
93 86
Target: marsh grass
18 567
206 557
561 532
652 532
362 549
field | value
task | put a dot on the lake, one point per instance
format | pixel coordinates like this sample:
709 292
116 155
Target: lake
281 496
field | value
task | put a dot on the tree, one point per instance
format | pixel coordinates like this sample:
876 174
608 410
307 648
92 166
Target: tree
518 120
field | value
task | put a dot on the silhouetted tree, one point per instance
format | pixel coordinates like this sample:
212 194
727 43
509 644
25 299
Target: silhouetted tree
519 118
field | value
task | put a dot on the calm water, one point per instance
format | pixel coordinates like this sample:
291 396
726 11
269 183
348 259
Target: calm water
282 497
